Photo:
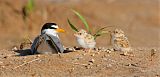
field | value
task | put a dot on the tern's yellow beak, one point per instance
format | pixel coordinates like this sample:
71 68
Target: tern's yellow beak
60 30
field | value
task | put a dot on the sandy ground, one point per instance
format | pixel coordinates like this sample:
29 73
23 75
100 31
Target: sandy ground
139 19
81 64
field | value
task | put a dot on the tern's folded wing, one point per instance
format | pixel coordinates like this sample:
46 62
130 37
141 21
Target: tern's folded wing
56 42
35 45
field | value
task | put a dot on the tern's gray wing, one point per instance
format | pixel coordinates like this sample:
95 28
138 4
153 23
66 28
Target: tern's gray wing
46 44
56 42
35 44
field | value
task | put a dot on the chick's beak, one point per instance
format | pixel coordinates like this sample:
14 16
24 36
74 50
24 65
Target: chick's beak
60 30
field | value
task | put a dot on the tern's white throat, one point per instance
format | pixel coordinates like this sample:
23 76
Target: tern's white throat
50 32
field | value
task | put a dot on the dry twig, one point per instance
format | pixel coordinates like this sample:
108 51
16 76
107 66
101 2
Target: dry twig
26 63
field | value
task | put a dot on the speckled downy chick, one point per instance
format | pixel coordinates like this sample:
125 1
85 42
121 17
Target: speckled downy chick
120 41
84 39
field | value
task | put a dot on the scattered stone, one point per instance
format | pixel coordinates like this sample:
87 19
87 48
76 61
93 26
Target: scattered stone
140 49
108 51
3 66
5 57
92 54
38 55
77 58
87 67
77 48
97 53
97 65
112 49
99 48
96 49
128 54
84 54
153 52
109 65
125 53
92 61
70 49
103 49
1 62
14 48
104 56
130 64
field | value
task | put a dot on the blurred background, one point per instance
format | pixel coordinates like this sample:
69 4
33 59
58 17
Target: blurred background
139 19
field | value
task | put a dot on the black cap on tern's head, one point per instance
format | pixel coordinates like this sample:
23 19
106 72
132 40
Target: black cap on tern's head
49 26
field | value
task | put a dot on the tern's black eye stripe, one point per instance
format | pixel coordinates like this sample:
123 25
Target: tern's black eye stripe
53 28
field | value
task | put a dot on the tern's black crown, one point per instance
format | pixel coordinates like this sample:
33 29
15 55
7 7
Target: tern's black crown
49 26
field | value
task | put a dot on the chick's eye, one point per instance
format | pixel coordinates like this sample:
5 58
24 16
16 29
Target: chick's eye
80 33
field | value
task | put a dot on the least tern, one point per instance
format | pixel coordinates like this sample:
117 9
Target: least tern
48 41
120 41
84 39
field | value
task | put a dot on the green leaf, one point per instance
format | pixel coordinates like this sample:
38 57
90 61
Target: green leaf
101 29
83 20
100 32
72 26
29 6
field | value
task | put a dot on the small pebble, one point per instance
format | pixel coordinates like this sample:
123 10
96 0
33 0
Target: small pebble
92 54
84 54
77 48
70 49
109 65
87 67
97 65
3 66
108 51
38 55
92 61
97 53
14 49
5 57
153 52
96 49
1 62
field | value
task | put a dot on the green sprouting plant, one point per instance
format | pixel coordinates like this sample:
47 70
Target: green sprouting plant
101 31
83 20
98 33
28 8
72 26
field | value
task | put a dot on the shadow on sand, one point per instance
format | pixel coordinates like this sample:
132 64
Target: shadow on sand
26 52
